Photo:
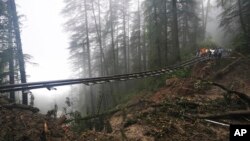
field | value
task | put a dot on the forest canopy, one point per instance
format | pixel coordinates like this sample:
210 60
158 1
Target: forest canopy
110 37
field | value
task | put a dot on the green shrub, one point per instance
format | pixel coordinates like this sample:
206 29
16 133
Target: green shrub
182 73
240 44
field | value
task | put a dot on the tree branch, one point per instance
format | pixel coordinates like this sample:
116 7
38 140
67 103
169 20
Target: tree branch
225 115
241 95
226 69
111 112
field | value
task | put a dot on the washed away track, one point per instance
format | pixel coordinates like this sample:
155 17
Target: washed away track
99 80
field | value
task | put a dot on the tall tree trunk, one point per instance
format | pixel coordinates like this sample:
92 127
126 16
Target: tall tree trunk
139 38
203 19
11 54
112 36
128 48
157 43
144 48
11 72
166 31
89 56
99 36
12 5
124 36
103 68
185 22
243 25
117 48
112 49
175 34
205 24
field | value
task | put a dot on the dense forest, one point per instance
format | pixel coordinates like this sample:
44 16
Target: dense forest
115 37
112 38
12 59
109 37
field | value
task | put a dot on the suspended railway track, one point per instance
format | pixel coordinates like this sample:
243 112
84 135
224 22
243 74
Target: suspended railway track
99 80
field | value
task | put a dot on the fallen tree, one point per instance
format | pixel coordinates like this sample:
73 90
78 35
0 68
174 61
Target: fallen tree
241 95
111 112
226 69
224 115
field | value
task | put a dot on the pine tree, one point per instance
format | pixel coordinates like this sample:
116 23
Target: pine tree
12 57
14 18
235 18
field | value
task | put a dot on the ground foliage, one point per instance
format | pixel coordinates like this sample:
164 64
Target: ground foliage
172 112
24 123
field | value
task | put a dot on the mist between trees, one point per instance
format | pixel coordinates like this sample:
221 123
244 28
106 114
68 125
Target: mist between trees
109 37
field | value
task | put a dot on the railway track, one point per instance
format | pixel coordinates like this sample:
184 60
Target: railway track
99 80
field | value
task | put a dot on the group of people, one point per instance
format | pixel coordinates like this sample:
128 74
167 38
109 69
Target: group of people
213 53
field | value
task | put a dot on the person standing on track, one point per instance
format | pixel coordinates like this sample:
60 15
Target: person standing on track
209 53
197 52
220 50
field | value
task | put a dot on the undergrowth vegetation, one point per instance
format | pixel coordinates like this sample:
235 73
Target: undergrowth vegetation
240 44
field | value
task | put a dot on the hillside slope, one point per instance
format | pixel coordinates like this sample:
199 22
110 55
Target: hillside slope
177 111
184 109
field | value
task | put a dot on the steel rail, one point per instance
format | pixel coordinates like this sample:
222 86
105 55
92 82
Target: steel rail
47 83
94 78
98 80
110 79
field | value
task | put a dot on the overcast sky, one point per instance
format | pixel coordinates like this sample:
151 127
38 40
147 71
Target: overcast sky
43 37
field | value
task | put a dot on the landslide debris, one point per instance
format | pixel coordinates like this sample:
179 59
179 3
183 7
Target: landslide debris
172 113
24 123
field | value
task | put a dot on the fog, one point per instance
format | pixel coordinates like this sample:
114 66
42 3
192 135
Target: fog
43 38
213 29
